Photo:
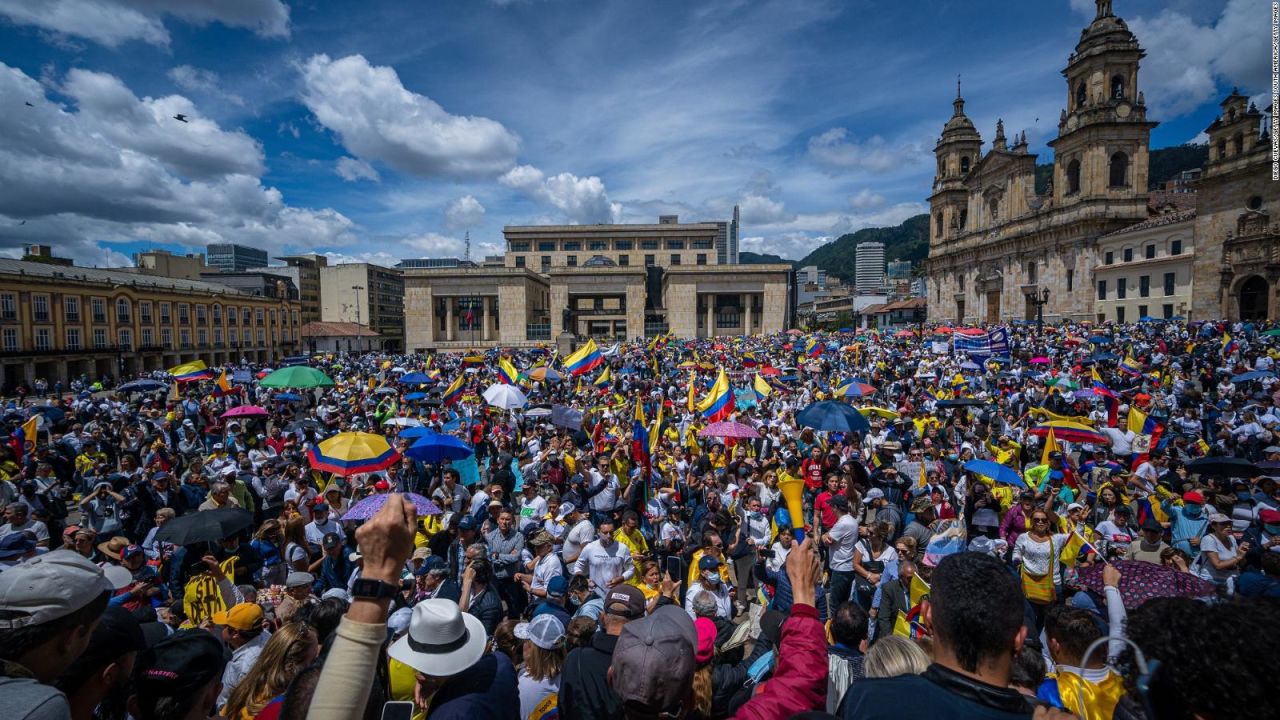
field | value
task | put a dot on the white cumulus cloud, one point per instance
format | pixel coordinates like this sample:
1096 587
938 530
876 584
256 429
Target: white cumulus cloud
582 200
376 118
351 170
114 22
463 212
836 149
866 199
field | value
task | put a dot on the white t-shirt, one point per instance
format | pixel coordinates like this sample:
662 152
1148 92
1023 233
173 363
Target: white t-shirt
577 538
547 568
532 511
1211 543
845 534
533 691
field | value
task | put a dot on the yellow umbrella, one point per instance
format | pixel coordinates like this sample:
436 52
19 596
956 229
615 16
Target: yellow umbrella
878 412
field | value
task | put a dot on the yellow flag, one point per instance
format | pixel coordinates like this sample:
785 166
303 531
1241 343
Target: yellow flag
1050 446
1137 420
919 588
924 477
901 626
691 399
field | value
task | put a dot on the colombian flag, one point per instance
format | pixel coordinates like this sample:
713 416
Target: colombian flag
605 378
762 388
224 384
640 437
718 403
584 359
453 392
507 372
188 372
1131 366
472 360
24 437
1228 345
813 348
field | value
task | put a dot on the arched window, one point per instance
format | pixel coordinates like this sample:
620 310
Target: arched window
964 163
1222 149
964 217
1119 170
1081 95
1073 177
1117 87
1238 144
937 229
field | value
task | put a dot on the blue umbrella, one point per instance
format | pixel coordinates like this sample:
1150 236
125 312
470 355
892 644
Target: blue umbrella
833 416
50 413
1252 375
142 386
1105 357
416 431
1100 340
415 378
415 396
995 471
292 397
434 448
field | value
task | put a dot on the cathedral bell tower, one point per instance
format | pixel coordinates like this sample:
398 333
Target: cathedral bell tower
958 152
1101 151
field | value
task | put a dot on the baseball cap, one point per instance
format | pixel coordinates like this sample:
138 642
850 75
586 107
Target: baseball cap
566 508
545 631
541 538
421 553
1074 506
320 507
47 587
297 579
921 504
177 667
432 564
839 502
15 545
625 601
467 523
557 587
708 562
330 541
874 494
654 662
1215 518
1192 496
130 551
1150 523
244 616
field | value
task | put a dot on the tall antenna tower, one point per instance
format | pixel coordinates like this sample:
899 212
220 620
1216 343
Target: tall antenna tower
466 253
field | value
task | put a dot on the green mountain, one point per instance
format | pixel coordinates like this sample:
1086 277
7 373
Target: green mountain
750 258
908 241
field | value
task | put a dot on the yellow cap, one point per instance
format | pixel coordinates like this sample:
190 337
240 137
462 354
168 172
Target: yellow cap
244 616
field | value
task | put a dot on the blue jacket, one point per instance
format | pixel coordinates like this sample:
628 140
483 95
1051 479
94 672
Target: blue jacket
485 691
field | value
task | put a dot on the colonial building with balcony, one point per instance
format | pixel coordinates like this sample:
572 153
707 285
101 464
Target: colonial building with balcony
60 322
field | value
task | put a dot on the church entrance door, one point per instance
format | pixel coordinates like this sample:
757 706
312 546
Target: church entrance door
1253 298
993 306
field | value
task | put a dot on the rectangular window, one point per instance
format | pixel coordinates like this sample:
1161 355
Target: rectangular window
246 337
217 336
1120 314
519 247
11 340
1150 251
545 263
675 258
123 310
245 316
233 315
1122 288
624 260
622 245
648 244
572 246
71 308
99 338
1167 309
44 339
519 261
257 317
217 314
1071 280
184 337
184 314
148 337
40 308
1175 247
202 315
1110 258
1031 272
675 244
598 245
166 338
702 258
1102 289
126 338
165 317
648 260
1170 280
144 309
8 306
1142 311
73 338
1144 286
702 244
546 247
1128 254
295 317
202 337
572 260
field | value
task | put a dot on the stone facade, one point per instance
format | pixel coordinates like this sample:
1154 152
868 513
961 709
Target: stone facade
994 239
465 308
726 301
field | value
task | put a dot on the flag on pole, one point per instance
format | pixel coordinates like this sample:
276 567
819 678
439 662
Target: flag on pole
584 359
453 392
192 371
761 387
224 384
718 404
691 399
23 440
507 373
605 378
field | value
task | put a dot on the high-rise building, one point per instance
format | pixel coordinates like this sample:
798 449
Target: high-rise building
229 257
304 270
727 240
365 294
868 259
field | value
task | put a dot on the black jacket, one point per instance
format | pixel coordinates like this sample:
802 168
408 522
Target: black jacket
584 684
893 599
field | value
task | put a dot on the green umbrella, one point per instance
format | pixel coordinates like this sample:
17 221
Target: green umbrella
1063 382
1271 333
298 376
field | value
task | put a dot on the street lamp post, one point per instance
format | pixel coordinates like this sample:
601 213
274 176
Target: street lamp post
1039 300
357 289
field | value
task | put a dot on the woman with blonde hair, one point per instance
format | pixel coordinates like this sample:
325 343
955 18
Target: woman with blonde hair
296 555
544 652
290 650
893 656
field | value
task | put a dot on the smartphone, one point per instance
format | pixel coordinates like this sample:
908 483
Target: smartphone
674 568
397 710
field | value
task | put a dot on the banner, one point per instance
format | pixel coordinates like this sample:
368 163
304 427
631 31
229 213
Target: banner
995 342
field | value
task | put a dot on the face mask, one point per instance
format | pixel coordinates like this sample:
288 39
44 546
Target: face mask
1192 509
755 515
711 576
1243 495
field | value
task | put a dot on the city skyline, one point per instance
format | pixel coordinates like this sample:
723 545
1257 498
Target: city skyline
311 128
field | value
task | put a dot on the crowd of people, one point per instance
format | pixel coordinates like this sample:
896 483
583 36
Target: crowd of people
1083 521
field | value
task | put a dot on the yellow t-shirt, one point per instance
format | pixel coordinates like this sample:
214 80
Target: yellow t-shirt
636 543
402 680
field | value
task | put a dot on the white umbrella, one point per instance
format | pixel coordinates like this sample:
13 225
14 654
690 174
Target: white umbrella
402 422
506 397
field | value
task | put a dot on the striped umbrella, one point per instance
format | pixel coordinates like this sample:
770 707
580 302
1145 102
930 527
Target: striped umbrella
350 453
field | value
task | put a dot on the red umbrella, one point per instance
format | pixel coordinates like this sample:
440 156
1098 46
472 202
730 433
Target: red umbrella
1039 360
1141 581
246 411
971 331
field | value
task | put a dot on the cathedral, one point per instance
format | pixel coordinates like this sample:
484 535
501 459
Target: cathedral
1096 245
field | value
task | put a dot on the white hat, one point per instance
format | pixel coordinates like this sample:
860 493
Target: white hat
546 631
442 640
47 587
565 510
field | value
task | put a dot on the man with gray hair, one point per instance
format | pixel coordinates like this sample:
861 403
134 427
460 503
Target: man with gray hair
219 498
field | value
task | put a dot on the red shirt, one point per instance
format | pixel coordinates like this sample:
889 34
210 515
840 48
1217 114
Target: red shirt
822 505
812 473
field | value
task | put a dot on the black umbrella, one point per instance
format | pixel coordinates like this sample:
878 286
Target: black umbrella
962 402
1224 467
205 526
307 424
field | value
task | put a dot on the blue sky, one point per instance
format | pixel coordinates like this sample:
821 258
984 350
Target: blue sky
379 130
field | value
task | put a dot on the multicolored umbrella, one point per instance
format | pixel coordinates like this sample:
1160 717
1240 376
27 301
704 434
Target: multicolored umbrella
298 376
370 506
1141 581
546 373
351 453
1069 431
729 429
246 411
